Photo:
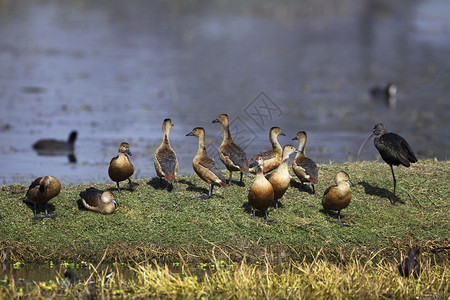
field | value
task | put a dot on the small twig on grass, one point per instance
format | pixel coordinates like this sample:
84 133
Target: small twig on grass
412 198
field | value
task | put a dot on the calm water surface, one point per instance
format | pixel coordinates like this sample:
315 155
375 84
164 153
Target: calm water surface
113 70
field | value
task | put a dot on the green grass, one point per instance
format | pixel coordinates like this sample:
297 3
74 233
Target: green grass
153 223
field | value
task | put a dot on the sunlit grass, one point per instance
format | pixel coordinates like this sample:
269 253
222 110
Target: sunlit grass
351 277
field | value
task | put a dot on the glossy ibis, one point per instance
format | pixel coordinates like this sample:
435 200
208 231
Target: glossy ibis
410 264
394 149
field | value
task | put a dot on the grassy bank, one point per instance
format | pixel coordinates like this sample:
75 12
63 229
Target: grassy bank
153 223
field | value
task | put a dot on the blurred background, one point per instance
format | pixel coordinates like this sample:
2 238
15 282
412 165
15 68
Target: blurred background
114 70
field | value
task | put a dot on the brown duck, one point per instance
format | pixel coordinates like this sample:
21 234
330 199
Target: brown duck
304 167
205 167
98 200
261 192
41 190
233 157
338 197
165 159
280 178
272 158
121 168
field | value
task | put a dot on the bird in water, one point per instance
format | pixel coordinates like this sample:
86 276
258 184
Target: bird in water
204 166
165 159
394 149
410 265
41 190
52 147
304 167
232 156
338 197
388 93
121 168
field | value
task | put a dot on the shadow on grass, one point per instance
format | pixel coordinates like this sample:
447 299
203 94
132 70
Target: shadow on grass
193 188
129 187
301 187
40 208
258 213
160 184
334 214
380 192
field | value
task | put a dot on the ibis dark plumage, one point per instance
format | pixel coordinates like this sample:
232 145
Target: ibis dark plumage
394 149
410 265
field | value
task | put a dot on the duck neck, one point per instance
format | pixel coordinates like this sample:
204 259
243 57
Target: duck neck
166 138
226 133
275 144
343 188
201 146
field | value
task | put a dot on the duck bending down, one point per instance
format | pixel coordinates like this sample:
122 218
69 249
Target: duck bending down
121 168
232 156
98 200
338 197
261 192
280 178
204 166
272 158
165 159
304 167
41 190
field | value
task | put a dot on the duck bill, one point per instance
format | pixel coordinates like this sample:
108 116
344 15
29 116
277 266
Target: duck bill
281 133
128 152
216 121
253 164
295 139
297 151
190 134
116 203
362 145
349 182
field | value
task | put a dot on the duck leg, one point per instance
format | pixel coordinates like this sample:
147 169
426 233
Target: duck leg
131 185
313 189
340 221
229 180
267 218
118 187
240 181
395 182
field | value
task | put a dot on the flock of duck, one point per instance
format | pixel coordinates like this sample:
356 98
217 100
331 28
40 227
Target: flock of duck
271 168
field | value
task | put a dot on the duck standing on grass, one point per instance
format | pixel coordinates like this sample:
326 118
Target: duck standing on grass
304 167
261 192
165 159
204 166
272 158
98 200
232 156
280 178
41 190
121 168
410 265
338 197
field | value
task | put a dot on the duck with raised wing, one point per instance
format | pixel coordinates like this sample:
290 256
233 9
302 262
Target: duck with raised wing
272 157
261 192
280 178
304 167
165 159
98 200
233 157
204 166
338 197
121 168
41 190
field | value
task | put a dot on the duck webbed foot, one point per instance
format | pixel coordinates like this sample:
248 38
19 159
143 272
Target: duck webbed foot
131 185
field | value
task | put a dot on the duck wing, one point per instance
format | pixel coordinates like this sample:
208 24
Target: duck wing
236 155
309 166
211 167
168 162
91 196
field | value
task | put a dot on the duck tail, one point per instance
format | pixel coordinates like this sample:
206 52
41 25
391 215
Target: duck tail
169 178
312 179
245 170
223 184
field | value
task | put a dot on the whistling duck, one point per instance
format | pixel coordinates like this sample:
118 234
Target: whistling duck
121 168
165 159
233 157
410 264
205 167
337 197
98 200
304 167
272 158
280 178
261 192
41 190
394 149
